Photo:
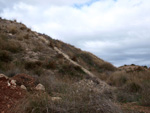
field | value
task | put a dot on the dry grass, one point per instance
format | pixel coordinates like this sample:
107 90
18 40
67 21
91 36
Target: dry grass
132 87
73 101
9 45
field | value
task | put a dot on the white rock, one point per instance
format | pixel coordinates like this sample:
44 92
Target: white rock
13 82
8 83
56 98
40 87
2 75
23 87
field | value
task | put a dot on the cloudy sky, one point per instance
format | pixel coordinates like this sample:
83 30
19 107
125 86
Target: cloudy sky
117 31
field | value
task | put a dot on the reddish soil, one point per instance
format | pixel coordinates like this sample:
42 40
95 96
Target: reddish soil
135 107
9 95
26 80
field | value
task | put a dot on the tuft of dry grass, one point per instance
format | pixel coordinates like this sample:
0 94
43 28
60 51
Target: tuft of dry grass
131 87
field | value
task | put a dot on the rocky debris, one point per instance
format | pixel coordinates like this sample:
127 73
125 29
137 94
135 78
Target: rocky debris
23 87
56 98
87 84
26 80
10 93
40 87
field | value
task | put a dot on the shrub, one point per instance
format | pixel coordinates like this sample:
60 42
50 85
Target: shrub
14 47
107 67
30 65
145 98
50 64
13 29
9 45
132 87
5 56
71 71
13 72
124 97
117 79
74 58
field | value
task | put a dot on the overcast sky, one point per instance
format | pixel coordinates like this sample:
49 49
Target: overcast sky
117 31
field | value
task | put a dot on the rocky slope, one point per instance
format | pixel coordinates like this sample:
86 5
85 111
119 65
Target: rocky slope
72 76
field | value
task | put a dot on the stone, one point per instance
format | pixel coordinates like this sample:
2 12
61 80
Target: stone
13 82
56 98
8 83
40 87
3 76
23 87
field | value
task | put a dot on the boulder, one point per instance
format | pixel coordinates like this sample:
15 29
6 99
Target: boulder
13 82
23 87
40 87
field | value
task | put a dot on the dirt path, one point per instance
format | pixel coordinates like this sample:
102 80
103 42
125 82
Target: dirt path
103 84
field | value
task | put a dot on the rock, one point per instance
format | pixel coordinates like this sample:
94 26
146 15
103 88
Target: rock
23 87
56 98
3 76
13 82
40 87
8 84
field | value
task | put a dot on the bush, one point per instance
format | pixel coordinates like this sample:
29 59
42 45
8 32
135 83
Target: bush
132 87
50 64
5 56
145 98
30 65
107 67
71 71
9 45
124 97
117 79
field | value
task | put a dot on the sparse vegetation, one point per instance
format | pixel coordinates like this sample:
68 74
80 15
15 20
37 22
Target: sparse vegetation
22 51
72 102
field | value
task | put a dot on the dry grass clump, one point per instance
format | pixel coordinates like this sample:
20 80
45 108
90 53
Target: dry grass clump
51 64
9 45
13 29
30 65
106 66
132 87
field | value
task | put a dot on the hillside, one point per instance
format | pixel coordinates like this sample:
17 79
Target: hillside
80 81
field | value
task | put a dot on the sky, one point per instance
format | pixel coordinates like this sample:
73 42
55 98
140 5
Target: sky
117 31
